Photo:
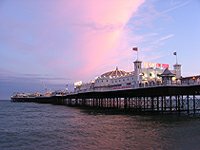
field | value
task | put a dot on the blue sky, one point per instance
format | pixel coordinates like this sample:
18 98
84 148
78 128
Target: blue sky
53 43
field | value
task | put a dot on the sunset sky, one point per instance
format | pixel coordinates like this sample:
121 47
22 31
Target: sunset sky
51 43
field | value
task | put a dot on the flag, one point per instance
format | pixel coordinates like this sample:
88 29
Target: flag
174 53
135 49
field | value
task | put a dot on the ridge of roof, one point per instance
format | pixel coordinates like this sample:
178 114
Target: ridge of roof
167 72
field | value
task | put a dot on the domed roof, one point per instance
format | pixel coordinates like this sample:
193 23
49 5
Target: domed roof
115 73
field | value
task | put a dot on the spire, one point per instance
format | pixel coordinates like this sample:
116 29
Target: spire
116 68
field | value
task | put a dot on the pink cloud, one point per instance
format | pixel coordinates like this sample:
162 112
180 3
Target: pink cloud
72 38
97 28
100 31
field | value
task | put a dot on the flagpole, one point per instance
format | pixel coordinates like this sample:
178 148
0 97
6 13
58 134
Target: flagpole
175 53
135 49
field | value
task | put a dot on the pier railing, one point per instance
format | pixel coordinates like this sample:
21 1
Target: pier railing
104 89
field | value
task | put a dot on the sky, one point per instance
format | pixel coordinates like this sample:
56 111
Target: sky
52 43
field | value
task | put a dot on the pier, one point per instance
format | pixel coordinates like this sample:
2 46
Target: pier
151 89
158 99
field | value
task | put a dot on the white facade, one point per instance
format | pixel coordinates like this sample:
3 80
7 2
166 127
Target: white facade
119 79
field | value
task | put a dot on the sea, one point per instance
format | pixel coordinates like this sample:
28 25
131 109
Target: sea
32 126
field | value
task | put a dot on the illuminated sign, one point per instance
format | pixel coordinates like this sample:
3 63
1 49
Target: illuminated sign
155 65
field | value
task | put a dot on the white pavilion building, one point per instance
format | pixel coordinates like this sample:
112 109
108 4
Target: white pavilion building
148 74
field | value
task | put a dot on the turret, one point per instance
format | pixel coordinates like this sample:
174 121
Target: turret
138 70
177 71
177 67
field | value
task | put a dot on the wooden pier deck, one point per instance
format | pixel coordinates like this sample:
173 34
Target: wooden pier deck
159 99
